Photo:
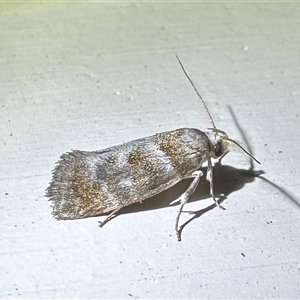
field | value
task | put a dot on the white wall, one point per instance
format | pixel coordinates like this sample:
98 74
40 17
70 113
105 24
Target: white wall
91 75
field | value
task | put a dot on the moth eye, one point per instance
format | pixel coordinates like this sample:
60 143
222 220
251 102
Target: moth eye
218 150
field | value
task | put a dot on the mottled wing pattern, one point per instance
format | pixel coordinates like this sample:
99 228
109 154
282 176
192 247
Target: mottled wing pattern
91 183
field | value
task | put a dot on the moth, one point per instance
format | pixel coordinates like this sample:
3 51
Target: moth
91 183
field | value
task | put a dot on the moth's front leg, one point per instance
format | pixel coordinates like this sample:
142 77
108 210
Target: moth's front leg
209 178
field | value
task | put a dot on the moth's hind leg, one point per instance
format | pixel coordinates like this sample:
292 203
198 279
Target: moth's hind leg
110 216
185 197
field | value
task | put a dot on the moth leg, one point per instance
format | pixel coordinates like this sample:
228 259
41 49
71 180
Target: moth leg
222 156
109 217
185 197
193 175
209 178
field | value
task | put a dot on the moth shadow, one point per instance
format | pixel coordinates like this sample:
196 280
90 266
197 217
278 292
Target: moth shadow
226 180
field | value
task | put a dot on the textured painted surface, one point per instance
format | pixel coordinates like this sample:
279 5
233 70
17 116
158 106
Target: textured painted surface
90 75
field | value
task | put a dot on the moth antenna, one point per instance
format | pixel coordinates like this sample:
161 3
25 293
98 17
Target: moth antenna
203 102
236 143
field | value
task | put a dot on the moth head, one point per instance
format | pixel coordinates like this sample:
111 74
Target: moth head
221 144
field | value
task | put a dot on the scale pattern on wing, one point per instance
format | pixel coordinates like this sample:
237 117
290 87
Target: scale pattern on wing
91 183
